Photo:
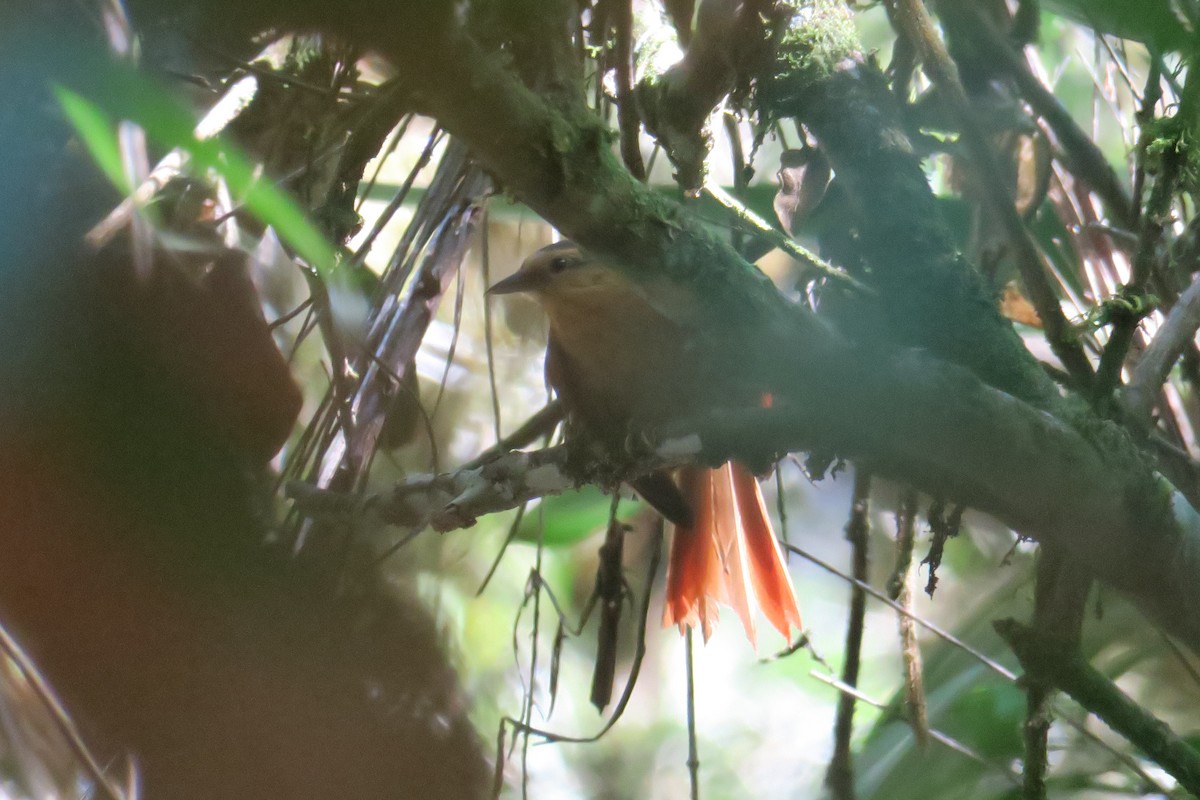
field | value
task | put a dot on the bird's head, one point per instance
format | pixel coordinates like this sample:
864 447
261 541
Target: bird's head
561 272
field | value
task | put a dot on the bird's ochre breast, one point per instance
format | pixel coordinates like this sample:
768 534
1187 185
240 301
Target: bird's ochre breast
615 359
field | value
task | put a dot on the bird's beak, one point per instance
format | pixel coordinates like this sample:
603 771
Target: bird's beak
517 282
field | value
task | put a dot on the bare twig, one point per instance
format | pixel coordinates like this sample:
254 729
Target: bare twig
777 238
485 261
935 735
693 760
628 121
995 666
900 590
840 775
634 671
539 425
941 633
13 651
535 630
513 527
394 205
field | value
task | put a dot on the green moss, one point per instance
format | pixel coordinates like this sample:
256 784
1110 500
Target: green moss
1170 139
1148 494
819 35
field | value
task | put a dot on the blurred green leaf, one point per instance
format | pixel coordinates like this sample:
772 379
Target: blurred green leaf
97 132
128 95
993 715
1054 240
1152 22
569 518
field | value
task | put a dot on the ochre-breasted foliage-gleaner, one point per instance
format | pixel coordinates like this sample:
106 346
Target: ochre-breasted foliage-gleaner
621 355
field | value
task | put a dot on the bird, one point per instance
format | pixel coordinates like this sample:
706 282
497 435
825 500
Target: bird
623 355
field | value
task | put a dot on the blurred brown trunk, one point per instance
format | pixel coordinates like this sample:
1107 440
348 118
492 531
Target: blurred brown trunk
222 685
132 562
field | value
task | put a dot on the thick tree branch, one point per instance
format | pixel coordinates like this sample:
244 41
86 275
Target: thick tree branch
929 296
935 426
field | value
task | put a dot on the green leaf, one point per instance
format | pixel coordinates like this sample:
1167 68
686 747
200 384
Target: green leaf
568 518
131 96
1152 22
990 716
98 134
1055 241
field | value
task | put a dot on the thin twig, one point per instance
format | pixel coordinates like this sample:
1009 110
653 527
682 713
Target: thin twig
62 720
634 670
485 260
628 121
935 735
398 199
540 424
988 662
781 510
941 633
1182 658
900 589
693 761
279 322
381 160
777 238
840 775
738 168
512 534
527 714
459 295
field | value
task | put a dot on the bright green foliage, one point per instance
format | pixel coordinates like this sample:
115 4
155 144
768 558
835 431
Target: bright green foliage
167 122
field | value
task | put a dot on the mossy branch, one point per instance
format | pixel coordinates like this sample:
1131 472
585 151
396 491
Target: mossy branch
1062 666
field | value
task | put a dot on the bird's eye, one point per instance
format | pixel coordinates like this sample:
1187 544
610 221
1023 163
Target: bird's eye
558 264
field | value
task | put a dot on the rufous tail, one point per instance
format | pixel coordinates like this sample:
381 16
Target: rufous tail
728 555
